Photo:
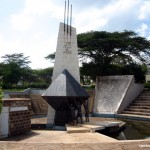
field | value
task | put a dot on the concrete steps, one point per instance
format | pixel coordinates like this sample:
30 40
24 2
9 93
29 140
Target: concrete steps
140 107
136 113
138 110
140 104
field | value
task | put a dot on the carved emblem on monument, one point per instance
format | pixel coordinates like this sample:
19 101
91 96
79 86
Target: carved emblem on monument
67 47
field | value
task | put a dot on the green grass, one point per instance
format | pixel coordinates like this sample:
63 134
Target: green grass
13 90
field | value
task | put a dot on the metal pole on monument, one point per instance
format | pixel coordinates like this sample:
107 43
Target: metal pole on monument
64 16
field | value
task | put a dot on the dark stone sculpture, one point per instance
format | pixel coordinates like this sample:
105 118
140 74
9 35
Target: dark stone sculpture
72 114
85 104
66 96
79 113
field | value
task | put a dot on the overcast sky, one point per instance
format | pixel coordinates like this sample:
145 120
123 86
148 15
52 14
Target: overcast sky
31 26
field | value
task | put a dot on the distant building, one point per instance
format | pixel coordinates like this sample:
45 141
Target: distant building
148 78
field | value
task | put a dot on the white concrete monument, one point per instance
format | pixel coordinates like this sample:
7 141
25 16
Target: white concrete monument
66 56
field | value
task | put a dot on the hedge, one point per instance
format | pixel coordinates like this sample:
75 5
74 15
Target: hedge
0 99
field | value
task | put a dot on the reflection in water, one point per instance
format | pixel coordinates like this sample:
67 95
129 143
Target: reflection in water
121 136
133 130
147 137
137 130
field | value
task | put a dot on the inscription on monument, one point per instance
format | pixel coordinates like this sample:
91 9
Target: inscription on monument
67 47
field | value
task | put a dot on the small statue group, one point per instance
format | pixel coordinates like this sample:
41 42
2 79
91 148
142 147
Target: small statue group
86 108
76 112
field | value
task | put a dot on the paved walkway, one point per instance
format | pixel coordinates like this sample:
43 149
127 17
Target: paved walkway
61 140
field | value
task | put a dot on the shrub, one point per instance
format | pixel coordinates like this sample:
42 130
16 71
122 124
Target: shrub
147 85
39 85
0 99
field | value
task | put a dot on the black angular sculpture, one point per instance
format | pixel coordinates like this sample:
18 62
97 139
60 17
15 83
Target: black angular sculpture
64 95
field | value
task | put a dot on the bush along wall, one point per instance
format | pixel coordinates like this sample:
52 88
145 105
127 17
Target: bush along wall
0 99
147 85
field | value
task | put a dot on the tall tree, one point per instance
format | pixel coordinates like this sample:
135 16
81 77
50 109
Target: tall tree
44 75
17 58
11 74
0 99
101 52
106 53
14 68
1 95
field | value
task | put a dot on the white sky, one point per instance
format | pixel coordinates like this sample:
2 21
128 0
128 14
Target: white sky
31 26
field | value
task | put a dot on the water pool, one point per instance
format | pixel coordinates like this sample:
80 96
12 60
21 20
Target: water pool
132 130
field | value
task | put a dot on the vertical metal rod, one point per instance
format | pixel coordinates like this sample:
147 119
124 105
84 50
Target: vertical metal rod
67 16
64 16
70 19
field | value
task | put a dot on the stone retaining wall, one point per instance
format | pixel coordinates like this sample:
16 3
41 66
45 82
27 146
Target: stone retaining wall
91 99
38 105
19 115
114 93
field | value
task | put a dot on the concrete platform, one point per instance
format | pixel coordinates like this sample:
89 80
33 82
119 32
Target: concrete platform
92 126
58 140
107 123
60 137
77 129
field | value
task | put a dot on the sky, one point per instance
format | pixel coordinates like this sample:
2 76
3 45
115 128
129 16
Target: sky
31 26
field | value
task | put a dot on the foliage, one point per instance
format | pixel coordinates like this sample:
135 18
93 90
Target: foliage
14 69
51 56
104 53
138 71
147 85
0 98
17 58
11 74
44 75
113 48
16 73
90 87
41 85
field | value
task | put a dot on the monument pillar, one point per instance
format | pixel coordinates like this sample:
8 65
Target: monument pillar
66 57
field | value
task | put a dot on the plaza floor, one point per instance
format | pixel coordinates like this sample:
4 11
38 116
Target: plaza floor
61 140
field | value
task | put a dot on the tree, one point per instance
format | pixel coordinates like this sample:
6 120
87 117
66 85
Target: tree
14 68
1 95
11 74
17 58
51 56
28 76
0 100
102 52
44 75
138 71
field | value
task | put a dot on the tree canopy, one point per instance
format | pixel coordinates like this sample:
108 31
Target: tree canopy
14 68
111 48
105 53
1 95
110 53
51 56
17 58
15 73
